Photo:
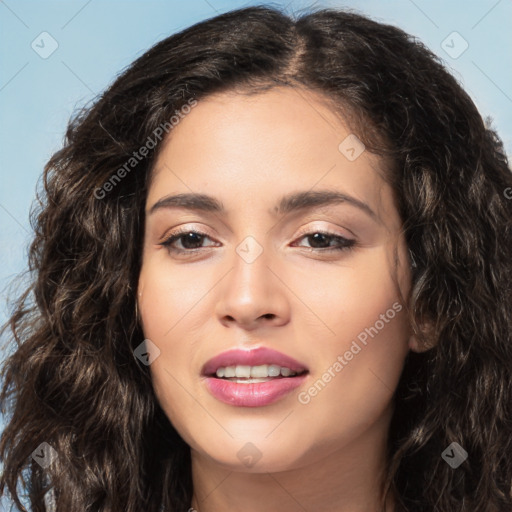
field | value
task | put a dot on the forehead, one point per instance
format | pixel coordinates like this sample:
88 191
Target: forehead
234 123
256 146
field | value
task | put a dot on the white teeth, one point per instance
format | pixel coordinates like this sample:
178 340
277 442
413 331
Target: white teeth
254 373
274 370
259 371
242 371
285 372
229 371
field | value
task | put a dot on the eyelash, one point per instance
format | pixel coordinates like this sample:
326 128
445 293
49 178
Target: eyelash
344 243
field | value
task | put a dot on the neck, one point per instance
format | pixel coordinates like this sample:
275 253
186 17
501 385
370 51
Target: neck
348 479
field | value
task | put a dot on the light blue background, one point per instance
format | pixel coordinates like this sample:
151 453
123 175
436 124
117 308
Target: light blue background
98 38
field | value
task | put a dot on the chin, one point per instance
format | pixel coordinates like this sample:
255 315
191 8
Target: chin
264 462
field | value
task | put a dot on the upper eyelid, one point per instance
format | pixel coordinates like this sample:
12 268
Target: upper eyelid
302 234
329 231
311 229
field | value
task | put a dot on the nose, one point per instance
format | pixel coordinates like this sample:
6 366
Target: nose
253 295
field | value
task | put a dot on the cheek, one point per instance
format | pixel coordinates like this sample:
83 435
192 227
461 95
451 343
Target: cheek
167 295
351 299
170 300
359 357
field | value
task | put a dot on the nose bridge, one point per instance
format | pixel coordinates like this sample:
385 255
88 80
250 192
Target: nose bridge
251 273
251 290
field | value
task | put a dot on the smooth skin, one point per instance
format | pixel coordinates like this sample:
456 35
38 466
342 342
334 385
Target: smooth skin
296 297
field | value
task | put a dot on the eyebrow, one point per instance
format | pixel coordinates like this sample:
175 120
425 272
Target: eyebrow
289 203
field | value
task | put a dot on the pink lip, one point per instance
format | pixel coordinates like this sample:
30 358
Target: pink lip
254 357
253 395
256 394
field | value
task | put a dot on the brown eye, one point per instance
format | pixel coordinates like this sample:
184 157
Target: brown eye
190 241
321 241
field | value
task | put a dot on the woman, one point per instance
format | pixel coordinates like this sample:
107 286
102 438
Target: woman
272 272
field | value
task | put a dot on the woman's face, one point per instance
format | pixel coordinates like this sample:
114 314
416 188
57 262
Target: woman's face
256 174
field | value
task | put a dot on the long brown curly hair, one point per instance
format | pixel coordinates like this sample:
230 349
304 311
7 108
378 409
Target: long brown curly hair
72 380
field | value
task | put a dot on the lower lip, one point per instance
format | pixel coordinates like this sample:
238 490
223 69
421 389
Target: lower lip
256 394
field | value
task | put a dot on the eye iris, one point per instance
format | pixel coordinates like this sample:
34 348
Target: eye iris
318 238
193 239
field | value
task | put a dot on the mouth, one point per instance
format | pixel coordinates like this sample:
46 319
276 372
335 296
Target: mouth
252 378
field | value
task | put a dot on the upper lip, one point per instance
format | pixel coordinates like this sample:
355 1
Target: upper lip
253 357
